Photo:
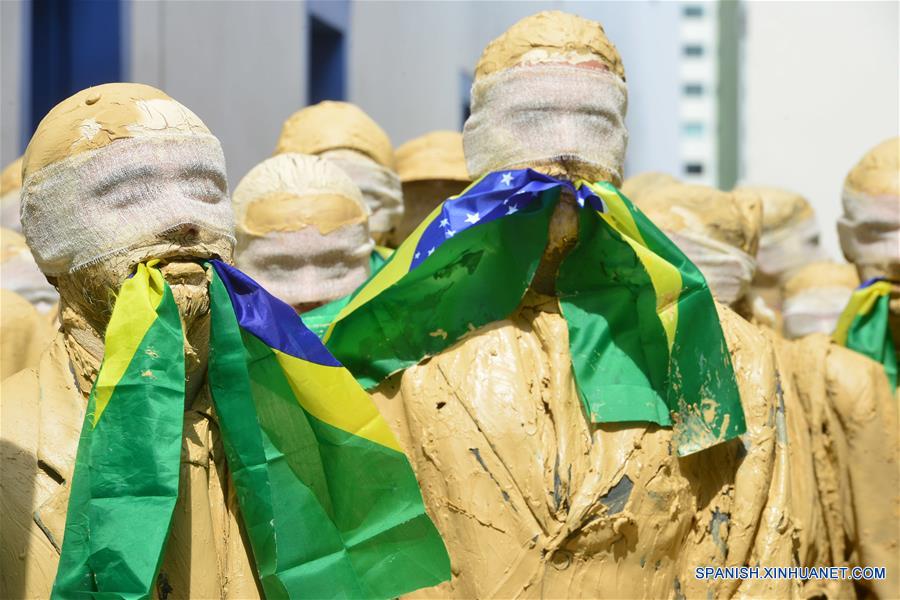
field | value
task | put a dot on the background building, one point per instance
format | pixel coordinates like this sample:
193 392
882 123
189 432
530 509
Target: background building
784 93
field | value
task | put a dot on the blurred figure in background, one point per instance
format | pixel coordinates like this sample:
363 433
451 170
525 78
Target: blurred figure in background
19 273
28 313
834 402
431 168
855 381
869 231
790 239
24 334
302 230
719 232
635 185
349 138
814 297
10 188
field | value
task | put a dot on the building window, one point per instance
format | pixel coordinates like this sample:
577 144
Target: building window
327 61
74 45
693 128
693 50
692 11
693 169
693 89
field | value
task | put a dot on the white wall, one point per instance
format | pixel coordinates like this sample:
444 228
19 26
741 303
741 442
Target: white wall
407 60
647 36
820 89
241 66
13 25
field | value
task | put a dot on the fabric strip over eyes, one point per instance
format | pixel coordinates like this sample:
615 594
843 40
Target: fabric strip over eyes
74 212
530 114
869 229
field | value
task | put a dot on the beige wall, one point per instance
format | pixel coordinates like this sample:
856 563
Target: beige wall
820 89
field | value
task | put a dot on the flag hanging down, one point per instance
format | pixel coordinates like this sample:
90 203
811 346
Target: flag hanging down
125 481
863 326
329 500
644 335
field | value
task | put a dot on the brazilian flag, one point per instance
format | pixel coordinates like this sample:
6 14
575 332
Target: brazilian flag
863 326
328 500
644 335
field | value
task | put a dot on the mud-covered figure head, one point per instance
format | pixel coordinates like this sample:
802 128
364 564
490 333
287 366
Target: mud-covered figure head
869 228
549 94
20 274
342 133
116 175
431 168
10 190
815 296
302 230
638 184
789 240
718 231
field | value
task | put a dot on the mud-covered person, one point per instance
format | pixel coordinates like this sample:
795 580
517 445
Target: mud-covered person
114 176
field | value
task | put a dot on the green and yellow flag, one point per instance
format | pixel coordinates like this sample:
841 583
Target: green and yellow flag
644 335
863 326
126 471
328 500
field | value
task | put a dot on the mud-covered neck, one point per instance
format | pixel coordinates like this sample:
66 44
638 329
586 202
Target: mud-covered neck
563 230
85 347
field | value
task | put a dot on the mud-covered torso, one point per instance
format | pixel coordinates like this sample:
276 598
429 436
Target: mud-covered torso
853 441
530 498
205 555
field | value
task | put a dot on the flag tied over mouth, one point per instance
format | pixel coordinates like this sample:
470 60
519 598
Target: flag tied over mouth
328 500
644 335
864 326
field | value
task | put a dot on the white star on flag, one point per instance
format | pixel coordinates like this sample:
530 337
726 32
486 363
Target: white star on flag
449 233
472 217
506 179
512 209
444 222
430 252
418 254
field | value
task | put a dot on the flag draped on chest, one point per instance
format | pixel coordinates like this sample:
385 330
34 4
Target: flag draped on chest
863 326
328 501
644 335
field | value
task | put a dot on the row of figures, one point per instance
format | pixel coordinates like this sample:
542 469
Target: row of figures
600 384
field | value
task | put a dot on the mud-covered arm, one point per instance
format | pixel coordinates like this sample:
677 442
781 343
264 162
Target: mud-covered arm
865 404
